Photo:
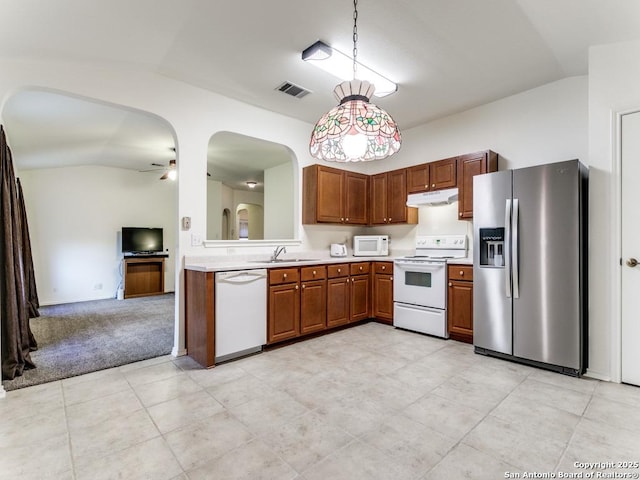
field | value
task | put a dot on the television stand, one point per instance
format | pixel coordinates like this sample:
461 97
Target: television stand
143 275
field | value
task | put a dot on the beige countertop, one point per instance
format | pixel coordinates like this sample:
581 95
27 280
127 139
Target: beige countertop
460 261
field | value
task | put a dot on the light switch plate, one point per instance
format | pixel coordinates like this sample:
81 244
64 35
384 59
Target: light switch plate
186 223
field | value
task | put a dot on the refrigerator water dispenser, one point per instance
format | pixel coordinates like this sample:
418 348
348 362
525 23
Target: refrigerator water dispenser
492 247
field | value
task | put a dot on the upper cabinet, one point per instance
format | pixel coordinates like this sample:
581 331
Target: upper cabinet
432 176
389 199
469 166
331 195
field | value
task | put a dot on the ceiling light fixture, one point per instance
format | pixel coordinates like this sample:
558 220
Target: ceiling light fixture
171 173
251 184
340 65
355 130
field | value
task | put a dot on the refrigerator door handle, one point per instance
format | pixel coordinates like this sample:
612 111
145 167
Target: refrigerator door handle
514 249
507 243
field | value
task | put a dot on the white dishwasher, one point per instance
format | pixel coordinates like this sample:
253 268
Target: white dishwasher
240 313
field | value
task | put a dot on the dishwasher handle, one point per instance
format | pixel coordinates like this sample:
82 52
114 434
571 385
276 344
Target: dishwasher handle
242 276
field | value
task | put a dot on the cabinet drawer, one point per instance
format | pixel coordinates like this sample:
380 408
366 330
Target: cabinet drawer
339 270
383 267
319 272
278 276
359 268
461 272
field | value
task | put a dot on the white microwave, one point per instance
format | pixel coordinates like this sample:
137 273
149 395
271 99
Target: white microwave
370 245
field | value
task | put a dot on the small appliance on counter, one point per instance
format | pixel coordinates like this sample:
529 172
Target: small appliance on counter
338 250
371 245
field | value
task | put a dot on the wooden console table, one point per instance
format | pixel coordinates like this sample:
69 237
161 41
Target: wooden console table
143 276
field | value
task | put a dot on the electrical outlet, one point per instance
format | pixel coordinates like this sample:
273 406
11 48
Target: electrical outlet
196 240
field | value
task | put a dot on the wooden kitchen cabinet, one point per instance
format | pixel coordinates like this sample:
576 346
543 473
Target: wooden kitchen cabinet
338 291
389 199
383 291
360 296
418 178
437 175
313 299
469 166
284 305
443 174
331 195
460 303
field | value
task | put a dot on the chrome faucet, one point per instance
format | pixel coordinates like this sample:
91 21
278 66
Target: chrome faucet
278 251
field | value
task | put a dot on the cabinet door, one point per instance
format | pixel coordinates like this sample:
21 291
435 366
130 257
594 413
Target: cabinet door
356 207
337 301
383 297
442 174
418 178
397 196
460 310
313 306
469 166
379 199
284 312
330 195
360 300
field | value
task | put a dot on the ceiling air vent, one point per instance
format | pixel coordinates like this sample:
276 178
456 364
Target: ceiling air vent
293 90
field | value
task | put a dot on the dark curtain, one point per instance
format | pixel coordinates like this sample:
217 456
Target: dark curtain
17 339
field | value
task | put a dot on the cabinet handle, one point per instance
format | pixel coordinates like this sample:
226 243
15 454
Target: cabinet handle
384 220
303 286
314 273
341 219
347 219
460 214
461 273
433 185
339 270
284 275
450 284
389 219
360 268
384 267
352 280
391 278
426 186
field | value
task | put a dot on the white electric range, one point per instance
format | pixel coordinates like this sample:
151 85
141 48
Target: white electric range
420 284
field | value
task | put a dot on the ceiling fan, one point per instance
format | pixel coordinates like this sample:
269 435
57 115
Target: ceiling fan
169 171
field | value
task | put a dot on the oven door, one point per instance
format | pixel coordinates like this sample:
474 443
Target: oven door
421 283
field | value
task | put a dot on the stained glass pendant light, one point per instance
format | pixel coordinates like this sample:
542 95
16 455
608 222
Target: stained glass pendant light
355 130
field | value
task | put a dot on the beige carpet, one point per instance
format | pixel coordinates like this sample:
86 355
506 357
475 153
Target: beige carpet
83 337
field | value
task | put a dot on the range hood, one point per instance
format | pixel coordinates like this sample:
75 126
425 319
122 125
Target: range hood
438 197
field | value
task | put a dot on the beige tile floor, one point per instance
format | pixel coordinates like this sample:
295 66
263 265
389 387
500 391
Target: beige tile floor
370 402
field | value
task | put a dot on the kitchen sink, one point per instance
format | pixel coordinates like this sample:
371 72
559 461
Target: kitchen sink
286 260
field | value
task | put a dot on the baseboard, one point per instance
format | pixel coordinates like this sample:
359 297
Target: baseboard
3 392
176 352
597 376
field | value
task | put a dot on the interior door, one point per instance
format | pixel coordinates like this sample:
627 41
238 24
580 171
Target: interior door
630 171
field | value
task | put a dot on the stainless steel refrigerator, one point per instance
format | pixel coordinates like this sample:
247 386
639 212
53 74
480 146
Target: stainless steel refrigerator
530 266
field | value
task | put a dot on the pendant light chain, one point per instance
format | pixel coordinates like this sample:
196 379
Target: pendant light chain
355 36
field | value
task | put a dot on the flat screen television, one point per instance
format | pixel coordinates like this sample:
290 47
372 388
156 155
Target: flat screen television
142 240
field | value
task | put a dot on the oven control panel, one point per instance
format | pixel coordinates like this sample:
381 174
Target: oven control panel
448 242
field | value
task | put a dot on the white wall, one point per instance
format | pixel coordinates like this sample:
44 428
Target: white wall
75 218
614 87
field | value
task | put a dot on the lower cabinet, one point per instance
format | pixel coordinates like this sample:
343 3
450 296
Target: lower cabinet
460 303
313 299
360 297
338 295
284 305
383 291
